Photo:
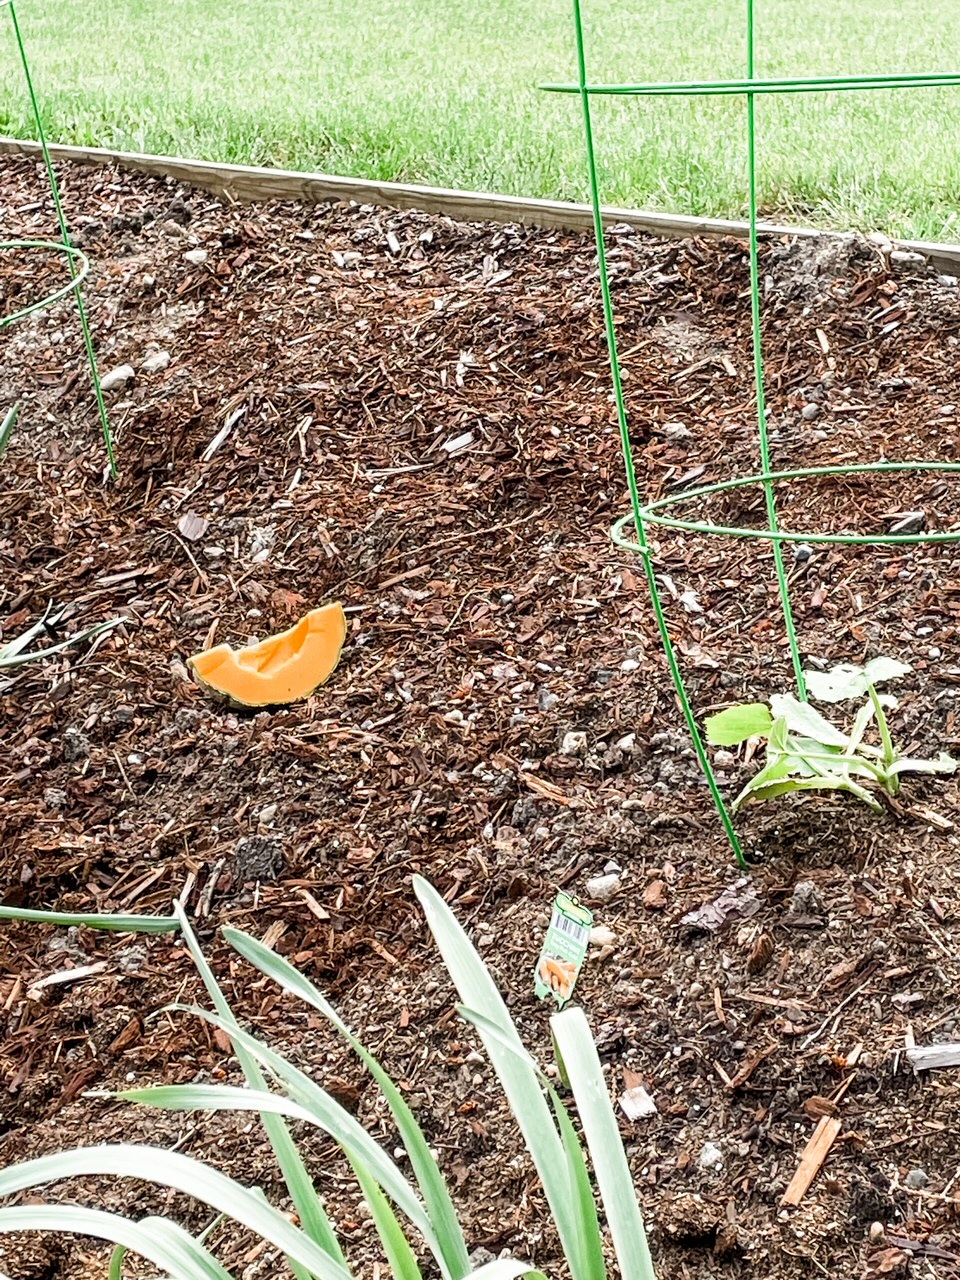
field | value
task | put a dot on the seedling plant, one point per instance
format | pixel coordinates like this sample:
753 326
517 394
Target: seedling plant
807 752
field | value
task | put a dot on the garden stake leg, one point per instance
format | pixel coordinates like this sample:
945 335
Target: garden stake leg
659 614
66 246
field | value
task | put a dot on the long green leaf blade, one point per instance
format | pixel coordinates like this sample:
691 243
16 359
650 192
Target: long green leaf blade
589 1238
9 658
581 1194
400 1257
518 1077
433 1188
313 1216
20 642
6 427
582 1067
163 1243
193 1178
114 924
326 1113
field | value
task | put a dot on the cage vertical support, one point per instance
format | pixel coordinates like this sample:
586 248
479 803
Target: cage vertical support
624 427
78 265
654 513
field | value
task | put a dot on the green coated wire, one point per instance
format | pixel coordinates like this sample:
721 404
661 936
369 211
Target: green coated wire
769 496
650 512
725 88
70 287
65 236
608 315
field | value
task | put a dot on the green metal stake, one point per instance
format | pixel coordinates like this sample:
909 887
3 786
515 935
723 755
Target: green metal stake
769 496
662 627
65 237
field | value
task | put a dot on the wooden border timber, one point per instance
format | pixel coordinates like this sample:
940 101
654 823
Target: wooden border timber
247 183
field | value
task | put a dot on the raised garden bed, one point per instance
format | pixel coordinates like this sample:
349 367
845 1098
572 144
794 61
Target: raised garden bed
421 427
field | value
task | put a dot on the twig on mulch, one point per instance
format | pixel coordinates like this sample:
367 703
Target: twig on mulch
814 1154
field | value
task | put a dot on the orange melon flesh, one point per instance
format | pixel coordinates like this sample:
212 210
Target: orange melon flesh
283 668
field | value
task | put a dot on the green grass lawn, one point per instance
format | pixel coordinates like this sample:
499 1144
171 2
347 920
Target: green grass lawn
443 93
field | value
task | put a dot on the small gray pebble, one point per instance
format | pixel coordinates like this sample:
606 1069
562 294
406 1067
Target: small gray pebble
155 362
75 745
916 1179
810 412
118 377
546 700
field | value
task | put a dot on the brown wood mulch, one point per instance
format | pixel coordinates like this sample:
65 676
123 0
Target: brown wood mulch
413 415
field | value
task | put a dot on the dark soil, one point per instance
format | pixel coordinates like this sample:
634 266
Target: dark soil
489 616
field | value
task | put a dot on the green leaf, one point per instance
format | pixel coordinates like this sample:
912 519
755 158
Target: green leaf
433 1188
170 1169
737 724
582 1065
829 782
306 1200
910 764
163 1243
21 641
860 725
400 1257
813 757
518 1077
802 718
846 681
115 1271
12 655
589 1261
6 427
323 1111
581 1193
114 924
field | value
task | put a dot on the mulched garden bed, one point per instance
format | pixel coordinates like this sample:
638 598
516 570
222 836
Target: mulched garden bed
421 426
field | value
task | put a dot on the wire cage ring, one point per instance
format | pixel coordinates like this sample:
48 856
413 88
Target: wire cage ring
655 513
81 269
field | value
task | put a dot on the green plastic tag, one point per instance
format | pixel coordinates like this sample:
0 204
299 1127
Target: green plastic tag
564 950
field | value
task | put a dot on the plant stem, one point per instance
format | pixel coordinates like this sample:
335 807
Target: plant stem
890 781
811 758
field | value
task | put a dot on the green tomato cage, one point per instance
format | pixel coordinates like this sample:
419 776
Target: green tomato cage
644 514
77 263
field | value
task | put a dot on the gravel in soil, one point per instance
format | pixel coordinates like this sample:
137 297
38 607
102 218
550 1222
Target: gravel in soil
413 415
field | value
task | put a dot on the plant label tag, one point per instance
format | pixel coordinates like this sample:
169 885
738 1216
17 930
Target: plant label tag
564 949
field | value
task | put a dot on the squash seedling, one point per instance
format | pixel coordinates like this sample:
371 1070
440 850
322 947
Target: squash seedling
807 752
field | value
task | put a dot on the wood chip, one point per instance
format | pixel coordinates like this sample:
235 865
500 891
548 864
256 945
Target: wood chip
934 1057
65 977
313 905
814 1154
192 527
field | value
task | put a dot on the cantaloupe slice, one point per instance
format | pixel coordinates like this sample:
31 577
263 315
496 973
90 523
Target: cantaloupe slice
283 668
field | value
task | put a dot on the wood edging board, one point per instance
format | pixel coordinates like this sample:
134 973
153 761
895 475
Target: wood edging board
241 182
